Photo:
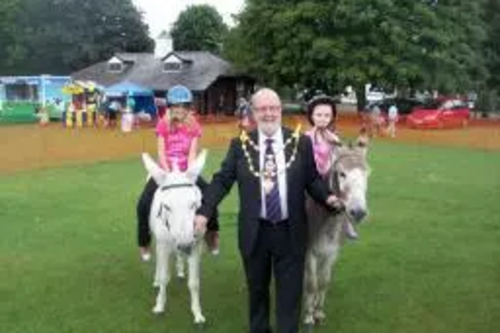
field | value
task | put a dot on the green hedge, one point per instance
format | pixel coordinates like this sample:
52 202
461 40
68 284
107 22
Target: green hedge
18 112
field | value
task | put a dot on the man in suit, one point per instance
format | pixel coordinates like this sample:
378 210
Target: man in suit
274 169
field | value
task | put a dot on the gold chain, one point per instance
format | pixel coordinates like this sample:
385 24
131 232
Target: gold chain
245 139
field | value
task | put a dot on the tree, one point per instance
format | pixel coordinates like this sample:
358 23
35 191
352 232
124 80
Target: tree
492 19
489 92
331 44
59 36
9 51
199 28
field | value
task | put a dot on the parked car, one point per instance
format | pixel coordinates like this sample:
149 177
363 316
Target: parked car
440 113
405 106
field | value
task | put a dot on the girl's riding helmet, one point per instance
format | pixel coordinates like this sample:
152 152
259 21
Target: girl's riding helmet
321 100
179 95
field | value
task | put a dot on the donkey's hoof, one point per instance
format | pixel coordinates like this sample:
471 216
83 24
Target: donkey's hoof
200 326
309 327
319 316
181 276
309 320
158 309
309 323
199 320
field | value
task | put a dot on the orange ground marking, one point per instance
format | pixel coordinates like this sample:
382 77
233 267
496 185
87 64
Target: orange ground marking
32 146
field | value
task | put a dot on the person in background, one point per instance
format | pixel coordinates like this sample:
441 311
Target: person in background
244 113
322 115
114 109
375 120
392 119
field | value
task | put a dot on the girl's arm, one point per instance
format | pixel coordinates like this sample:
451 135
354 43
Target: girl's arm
331 137
193 152
161 154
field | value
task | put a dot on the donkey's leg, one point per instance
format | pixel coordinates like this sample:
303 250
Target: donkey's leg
162 276
310 288
194 260
325 266
179 264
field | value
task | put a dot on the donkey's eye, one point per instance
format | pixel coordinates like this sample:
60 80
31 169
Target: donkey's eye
342 174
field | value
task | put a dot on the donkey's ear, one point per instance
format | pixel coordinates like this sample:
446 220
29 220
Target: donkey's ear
362 143
195 170
153 169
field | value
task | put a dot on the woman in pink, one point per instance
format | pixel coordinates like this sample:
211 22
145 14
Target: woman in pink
321 113
178 132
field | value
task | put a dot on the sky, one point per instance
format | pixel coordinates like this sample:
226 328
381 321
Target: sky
161 14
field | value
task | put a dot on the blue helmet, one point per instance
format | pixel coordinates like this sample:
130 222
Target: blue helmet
179 95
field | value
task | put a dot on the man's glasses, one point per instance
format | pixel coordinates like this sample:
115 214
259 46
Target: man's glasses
272 108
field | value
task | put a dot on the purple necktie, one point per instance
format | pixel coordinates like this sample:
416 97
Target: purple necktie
273 200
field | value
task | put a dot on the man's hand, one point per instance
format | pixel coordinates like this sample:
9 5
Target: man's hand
334 202
200 224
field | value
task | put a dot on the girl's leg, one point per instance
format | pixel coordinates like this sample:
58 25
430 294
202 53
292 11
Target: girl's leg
143 210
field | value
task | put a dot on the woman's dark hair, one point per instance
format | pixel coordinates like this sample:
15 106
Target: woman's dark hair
322 100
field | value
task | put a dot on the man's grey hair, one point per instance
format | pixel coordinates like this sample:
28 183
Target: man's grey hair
263 92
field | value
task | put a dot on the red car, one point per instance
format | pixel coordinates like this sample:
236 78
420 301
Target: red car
440 113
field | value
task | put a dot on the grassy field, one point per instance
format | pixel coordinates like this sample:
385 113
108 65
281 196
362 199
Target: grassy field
427 260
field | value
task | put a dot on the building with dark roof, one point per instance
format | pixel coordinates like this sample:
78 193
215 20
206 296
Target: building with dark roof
216 86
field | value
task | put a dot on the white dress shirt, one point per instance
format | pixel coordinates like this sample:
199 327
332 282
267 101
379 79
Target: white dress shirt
280 166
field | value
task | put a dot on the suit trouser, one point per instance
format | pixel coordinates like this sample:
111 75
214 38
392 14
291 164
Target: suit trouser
274 254
144 208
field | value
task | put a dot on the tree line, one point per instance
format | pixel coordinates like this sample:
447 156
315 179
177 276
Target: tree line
448 45
61 36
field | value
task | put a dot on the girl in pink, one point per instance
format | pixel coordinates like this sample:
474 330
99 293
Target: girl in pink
178 133
321 113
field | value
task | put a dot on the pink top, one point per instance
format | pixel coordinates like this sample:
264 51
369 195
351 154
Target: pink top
178 141
322 148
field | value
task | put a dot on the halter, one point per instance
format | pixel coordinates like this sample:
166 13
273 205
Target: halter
333 178
169 187
163 206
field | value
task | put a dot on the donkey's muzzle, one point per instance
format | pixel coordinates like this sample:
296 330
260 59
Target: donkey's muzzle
357 214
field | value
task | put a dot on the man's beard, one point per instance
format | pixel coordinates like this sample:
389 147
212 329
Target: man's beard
269 128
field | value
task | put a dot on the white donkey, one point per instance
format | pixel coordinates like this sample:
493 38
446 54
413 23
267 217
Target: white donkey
172 224
348 179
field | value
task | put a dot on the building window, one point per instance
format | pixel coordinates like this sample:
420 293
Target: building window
115 67
172 66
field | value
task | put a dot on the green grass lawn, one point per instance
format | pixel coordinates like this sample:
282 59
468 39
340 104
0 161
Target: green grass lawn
427 261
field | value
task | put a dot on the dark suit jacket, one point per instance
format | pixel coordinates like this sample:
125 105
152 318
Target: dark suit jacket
302 176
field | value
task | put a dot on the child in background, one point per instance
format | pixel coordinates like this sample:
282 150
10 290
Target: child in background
42 114
321 113
392 119
178 132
